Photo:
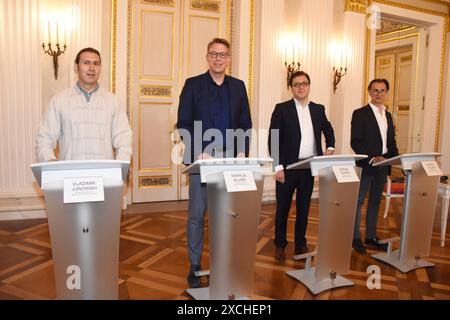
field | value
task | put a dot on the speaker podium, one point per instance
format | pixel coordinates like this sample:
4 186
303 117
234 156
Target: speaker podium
84 234
233 223
419 205
338 196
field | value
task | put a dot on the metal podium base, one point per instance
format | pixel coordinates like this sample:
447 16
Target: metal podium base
199 293
203 294
403 265
308 278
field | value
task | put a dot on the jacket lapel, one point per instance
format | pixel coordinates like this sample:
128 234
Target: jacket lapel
293 114
232 94
206 96
374 124
314 119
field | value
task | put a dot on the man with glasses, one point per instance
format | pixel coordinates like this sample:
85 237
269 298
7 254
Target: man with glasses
372 134
299 124
210 102
88 121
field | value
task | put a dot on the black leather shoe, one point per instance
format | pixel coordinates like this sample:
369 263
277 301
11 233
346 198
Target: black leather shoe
358 246
192 279
280 255
375 242
301 250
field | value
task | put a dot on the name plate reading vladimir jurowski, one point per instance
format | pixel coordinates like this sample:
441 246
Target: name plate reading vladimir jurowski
242 180
83 189
345 174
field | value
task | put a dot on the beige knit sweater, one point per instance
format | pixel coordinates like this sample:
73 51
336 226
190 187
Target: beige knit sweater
98 129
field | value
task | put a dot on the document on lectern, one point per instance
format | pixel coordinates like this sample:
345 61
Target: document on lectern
432 168
345 174
239 180
83 189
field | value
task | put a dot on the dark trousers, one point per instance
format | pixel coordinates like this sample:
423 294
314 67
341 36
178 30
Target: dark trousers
375 182
303 181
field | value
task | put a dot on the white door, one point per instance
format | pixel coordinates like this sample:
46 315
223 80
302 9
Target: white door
396 66
169 40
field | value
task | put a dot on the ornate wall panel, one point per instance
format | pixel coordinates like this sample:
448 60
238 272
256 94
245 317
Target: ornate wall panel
156 28
155 152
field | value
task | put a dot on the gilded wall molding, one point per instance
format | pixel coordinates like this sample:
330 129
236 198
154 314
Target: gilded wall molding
251 49
129 60
410 7
358 6
230 31
155 91
206 5
129 100
112 68
155 181
167 3
441 86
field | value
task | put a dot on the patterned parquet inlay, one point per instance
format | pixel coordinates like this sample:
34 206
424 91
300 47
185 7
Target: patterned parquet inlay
154 263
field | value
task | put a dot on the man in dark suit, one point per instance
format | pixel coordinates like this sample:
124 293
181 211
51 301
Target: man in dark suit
298 123
213 106
372 134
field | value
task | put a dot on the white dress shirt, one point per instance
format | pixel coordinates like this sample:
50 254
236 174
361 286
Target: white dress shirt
307 142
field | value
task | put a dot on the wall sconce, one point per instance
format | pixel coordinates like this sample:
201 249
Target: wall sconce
54 50
339 70
338 74
294 66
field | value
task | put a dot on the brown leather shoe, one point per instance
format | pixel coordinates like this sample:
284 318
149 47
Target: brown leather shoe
280 255
301 250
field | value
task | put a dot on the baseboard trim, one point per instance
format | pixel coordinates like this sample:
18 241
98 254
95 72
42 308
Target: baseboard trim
19 215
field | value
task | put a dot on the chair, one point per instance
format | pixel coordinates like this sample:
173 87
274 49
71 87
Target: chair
395 187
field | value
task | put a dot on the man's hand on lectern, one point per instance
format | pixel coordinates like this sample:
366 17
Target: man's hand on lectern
279 176
377 159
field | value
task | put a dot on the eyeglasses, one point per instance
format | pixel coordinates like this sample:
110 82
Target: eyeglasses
214 54
88 63
379 91
300 84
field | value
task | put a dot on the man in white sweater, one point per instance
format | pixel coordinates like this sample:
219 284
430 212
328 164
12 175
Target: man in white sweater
88 121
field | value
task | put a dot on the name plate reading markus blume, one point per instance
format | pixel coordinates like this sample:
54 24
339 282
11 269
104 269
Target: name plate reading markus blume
83 189
241 180
345 174
431 168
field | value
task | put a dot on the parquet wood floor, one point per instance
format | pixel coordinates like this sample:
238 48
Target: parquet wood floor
154 263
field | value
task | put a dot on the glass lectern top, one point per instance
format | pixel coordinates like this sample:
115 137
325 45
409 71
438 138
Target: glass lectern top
406 159
194 167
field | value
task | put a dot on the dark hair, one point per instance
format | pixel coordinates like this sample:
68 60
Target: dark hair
386 83
88 49
298 74
220 41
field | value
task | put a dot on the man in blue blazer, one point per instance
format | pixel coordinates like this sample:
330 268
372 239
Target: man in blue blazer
372 134
212 109
300 124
